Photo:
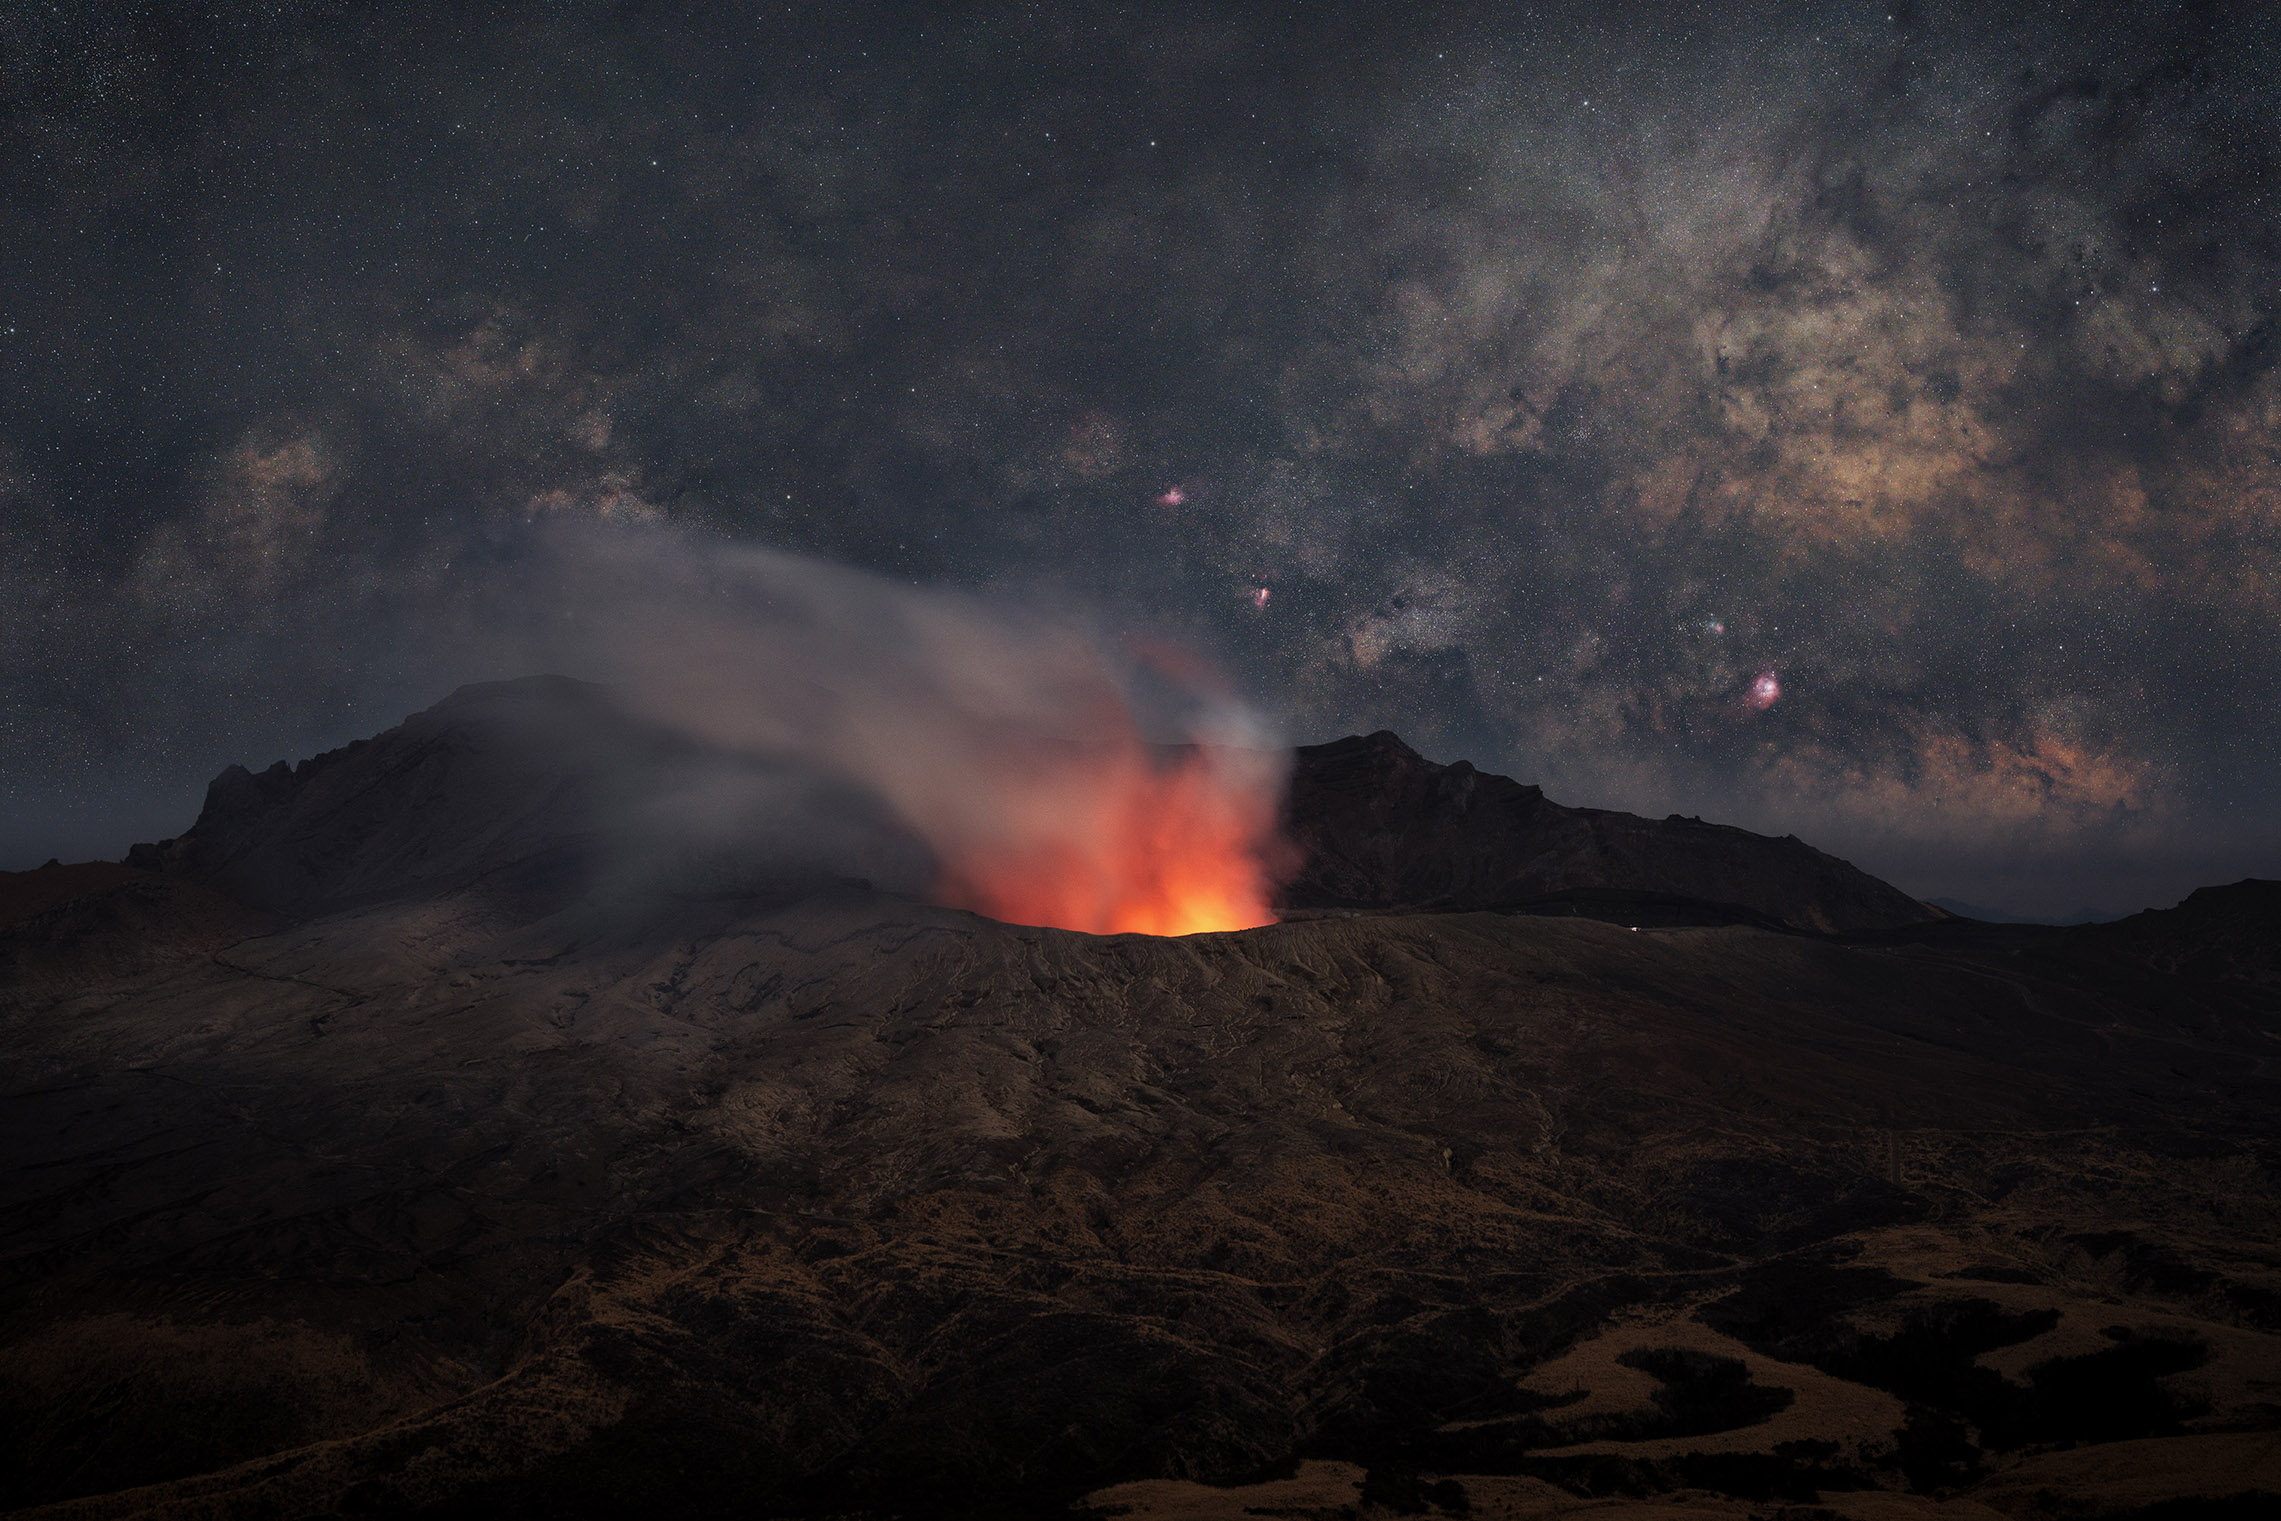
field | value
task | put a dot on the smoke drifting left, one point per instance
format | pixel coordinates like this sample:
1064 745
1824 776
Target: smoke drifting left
1025 752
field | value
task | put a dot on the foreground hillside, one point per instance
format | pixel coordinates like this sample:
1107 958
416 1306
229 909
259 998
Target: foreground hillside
805 1199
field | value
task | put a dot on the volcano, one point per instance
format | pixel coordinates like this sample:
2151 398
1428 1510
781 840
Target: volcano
415 1135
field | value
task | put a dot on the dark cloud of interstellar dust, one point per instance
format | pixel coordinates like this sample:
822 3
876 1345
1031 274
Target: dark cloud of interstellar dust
1856 420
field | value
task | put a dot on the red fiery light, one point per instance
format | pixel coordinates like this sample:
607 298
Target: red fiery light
1113 843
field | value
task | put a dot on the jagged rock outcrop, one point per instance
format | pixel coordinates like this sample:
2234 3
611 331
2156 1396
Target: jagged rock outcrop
506 782
538 792
1380 826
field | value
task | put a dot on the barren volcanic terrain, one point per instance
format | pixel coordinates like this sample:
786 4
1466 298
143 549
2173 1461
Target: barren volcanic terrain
385 1145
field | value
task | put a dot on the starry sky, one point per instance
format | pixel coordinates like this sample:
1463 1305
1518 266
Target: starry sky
1857 420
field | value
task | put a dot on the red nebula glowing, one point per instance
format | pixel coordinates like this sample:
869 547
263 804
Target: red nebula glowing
1259 596
1764 692
1173 497
1114 842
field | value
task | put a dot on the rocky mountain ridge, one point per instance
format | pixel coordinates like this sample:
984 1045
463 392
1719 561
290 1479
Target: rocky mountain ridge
519 783
1380 826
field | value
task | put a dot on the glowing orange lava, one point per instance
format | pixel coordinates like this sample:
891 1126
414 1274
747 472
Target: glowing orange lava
1114 843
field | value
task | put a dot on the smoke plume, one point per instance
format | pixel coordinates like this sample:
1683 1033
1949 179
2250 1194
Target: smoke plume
1054 778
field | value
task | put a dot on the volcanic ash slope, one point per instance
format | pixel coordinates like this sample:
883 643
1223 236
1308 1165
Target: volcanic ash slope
492 1195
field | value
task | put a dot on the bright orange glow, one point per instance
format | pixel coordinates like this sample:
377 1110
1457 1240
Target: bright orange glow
1114 843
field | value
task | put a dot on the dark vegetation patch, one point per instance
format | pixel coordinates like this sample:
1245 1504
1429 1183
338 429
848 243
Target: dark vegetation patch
1793 1471
1399 1383
2149 1267
1995 1272
1782 1304
2256 1304
1934 1450
1400 1489
1697 1393
2110 1395
1285 1467
1757 1203
1404 1380
2249 1505
1931 1361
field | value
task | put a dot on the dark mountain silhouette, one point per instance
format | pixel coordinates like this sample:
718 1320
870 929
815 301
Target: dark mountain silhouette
2086 914
531 793
503 783
2227 934
1383 827
516 784
387 1145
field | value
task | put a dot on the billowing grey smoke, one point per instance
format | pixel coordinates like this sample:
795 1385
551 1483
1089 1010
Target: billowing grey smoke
1024 750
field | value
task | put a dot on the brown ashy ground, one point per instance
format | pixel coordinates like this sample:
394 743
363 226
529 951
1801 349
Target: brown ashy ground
817 1201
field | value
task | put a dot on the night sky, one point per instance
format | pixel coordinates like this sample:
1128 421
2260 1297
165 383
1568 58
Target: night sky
1855 420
